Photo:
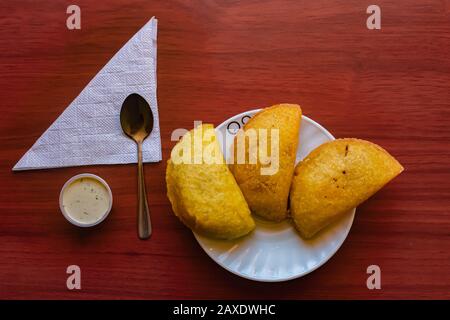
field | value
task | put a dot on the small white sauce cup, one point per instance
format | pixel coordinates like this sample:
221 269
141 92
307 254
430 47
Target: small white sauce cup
72 220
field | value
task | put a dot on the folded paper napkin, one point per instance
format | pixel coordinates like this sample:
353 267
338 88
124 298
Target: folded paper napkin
88 131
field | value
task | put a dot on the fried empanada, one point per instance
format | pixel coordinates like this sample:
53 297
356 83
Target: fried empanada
336 177
266 183
203 192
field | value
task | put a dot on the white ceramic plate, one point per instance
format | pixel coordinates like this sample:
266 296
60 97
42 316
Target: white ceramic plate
275 251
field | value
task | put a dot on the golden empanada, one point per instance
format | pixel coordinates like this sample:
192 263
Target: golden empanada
265 183
202 190
336 177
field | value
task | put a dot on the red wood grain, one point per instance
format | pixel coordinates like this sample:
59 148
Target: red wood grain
216 59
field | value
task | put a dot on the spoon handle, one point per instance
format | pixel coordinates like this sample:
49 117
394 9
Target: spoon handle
144 223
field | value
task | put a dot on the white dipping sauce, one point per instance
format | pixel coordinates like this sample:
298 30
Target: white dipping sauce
86 200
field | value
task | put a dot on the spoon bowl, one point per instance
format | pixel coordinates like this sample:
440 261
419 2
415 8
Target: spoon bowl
136 117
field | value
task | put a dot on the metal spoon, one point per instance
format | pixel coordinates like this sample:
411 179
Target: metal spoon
136 119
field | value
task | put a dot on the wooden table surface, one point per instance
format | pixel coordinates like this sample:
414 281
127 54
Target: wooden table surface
216 59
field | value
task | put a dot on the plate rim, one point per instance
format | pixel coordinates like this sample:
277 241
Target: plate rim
301 274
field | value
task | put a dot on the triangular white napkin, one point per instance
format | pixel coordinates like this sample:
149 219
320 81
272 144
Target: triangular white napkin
88 131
